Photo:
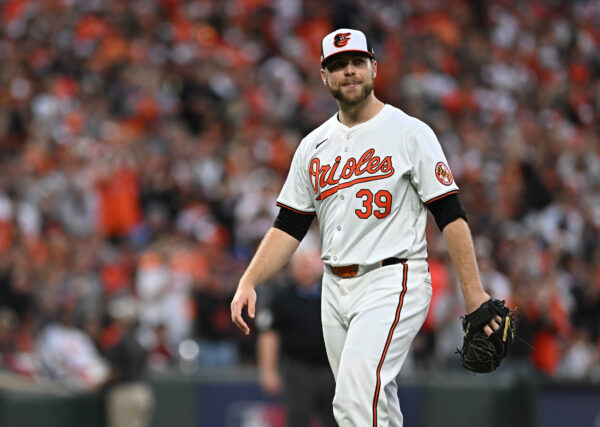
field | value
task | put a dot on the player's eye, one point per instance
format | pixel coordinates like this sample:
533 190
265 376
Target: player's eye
336 65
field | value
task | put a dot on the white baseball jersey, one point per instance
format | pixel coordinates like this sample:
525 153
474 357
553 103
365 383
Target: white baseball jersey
368 186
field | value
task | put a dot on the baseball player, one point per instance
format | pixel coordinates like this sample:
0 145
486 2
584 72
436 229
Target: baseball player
369 174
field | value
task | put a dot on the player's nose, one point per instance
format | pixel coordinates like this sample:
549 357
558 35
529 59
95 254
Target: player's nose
349 69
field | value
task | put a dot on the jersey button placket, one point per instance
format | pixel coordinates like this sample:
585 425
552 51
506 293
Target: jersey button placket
346 150
341 206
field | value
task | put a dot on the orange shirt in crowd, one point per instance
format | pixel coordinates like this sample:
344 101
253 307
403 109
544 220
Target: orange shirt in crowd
119 210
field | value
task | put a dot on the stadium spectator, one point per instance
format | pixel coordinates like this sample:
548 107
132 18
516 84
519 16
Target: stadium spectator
291 352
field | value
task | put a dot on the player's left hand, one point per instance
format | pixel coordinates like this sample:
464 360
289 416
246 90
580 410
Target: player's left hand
473 303
483 351
245 296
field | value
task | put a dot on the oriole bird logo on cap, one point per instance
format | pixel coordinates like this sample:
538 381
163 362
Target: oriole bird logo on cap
341 39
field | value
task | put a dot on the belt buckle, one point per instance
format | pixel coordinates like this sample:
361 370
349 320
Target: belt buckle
346 270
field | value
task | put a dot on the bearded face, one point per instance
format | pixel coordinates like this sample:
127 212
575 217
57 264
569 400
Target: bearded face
350 79
353 92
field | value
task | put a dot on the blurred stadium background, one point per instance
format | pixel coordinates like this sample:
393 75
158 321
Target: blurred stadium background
143 144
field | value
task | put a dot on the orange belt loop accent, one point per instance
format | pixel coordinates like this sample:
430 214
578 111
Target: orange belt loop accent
352 269
345 271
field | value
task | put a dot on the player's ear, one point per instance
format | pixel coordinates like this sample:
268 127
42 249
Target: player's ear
323 75
374 68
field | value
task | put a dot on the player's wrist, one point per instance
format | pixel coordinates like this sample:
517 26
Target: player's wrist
246 284
269 372
474 300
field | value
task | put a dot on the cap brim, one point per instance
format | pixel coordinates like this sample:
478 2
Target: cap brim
327 58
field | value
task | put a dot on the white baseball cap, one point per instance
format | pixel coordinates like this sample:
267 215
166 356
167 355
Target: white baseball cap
344 40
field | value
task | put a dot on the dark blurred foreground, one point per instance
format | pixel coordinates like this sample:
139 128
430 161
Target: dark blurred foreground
233 399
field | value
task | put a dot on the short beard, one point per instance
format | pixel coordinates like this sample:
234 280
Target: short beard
357 99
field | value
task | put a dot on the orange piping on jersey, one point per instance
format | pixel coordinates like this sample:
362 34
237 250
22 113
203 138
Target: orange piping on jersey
335 189
442 196
387 343
281 205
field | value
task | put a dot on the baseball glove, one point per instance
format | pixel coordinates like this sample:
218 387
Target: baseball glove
479 352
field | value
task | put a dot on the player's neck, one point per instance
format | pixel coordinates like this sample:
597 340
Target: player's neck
352 115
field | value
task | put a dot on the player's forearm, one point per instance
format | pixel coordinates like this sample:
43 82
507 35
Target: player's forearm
273 253
460 246
268 352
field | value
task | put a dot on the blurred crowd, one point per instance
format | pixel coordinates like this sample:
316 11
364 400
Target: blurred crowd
143 144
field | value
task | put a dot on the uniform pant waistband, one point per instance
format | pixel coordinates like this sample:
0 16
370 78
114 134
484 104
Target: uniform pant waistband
357 269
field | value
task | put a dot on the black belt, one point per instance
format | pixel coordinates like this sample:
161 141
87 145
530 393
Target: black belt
352 269
392 261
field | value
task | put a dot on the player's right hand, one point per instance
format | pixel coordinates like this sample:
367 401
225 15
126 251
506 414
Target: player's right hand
245 296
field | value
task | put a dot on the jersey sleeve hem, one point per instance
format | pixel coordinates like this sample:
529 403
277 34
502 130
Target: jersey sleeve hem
281 205
441 196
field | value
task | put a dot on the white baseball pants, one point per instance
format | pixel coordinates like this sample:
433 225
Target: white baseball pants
369 322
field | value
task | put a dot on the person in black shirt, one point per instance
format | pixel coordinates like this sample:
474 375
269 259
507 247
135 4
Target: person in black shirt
291 343
129 398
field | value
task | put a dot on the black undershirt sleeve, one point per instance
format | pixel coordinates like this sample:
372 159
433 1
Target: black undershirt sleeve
446 210
295 224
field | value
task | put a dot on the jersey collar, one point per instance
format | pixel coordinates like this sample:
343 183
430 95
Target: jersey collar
371 122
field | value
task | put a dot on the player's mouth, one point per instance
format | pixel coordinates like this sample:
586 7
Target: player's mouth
351 84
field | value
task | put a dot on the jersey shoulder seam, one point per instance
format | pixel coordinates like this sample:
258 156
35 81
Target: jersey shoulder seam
420 126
